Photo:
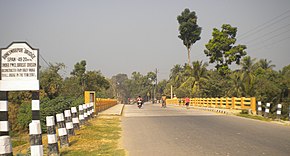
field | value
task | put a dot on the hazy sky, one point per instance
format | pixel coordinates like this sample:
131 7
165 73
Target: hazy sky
123 36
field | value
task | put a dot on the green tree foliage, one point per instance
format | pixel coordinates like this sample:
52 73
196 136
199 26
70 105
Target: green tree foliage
79 72
96 81
189 31
57 93
221 49
138 85
51 81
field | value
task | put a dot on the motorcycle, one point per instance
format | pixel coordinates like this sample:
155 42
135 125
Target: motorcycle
139 104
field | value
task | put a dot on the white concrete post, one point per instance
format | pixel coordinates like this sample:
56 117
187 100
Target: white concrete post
267 110
75 119
62 132
279 110
68 122
35 137
259 108
51 137
81 114
85 112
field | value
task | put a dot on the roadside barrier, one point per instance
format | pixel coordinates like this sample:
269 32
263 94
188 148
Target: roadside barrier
103 104
81 114
279 107
222 103
68 122
62 131
35 138
267 110
51 136
75 119
85 112
259 108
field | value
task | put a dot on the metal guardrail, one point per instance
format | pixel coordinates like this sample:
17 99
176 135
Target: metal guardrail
225 103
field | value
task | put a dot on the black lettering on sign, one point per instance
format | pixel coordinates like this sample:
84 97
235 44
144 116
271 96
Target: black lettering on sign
31 64
21 64
5 65
4 75
15 50
11 59
29 53
12 75
25 59
12 64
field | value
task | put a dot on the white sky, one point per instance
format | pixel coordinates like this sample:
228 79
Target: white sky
127 36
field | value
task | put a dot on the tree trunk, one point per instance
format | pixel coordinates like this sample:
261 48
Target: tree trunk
188 56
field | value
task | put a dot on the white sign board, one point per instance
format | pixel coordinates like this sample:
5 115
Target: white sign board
19 67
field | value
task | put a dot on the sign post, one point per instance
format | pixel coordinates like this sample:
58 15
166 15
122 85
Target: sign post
19 71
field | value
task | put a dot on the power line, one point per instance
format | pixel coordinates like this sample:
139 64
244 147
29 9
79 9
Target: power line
262 26
44 60
272 37
255 39
273 43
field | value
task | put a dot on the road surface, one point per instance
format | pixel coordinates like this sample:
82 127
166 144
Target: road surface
155 131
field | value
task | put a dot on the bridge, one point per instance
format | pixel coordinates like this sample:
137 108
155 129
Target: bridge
179 131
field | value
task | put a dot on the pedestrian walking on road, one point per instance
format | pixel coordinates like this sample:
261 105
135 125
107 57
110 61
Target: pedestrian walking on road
187 101
163 99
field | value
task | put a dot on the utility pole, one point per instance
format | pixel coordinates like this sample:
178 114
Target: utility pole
154 89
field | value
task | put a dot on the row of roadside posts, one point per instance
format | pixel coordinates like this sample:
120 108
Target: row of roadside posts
67 123
267 110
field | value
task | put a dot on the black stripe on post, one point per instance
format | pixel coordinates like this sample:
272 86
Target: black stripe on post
3 115
3 96
35 95
35 115
4 133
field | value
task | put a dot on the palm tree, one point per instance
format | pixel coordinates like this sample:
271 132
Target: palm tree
248 67
176 75
193 75
265 64
199 73
237 84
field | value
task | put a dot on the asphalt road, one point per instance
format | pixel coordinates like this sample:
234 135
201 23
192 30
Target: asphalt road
155 131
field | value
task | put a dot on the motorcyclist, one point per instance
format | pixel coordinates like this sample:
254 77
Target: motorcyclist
141 100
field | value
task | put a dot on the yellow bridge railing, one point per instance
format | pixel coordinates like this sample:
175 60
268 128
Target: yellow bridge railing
226 103
103 104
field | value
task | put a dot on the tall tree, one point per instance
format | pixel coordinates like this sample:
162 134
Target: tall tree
221 49
79 71
188 29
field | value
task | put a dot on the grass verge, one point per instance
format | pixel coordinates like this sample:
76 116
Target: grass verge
256 117
100 136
